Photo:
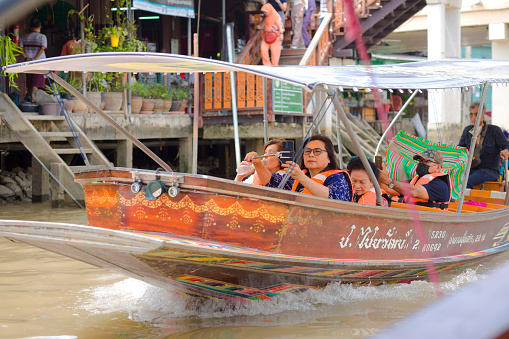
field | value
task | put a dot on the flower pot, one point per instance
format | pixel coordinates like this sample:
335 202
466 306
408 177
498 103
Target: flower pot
49 108
158 105
79 106
147 107
167 105
113 101
179 106
69 105
136 103
114 40
95 97
66 96
28 107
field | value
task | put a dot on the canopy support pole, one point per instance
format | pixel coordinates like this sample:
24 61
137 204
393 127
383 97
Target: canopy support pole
472 148
506 200
119 128
342 116
196 109
394 121
230 49
265 125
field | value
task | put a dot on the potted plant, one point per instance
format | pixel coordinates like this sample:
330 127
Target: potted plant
138 90
142 90
167 96
8 52
114 98
96 85
179 96
116 34
58 90
159 92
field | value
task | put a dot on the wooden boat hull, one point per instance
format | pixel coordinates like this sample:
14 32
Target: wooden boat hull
210 269
305 241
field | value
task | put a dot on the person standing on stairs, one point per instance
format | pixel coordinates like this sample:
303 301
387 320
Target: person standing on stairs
34 44
280 6
309 11
272 36
297 15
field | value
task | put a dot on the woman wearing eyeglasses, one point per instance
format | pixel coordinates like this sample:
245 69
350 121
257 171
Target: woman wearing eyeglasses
318 174
272 163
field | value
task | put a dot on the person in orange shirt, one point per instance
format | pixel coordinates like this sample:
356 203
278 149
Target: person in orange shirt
362 186
273 164
272 36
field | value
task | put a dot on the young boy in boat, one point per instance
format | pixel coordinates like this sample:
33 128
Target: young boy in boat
318 174
362 186
430 186
272 163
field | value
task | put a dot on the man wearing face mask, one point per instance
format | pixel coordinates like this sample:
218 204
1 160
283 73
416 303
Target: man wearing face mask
430 186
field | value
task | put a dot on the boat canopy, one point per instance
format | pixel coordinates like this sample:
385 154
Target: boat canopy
437 74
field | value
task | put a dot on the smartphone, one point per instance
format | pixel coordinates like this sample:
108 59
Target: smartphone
288 151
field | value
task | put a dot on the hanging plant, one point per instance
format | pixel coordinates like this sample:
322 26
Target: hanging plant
8 53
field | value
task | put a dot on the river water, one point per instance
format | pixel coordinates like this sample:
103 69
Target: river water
46 295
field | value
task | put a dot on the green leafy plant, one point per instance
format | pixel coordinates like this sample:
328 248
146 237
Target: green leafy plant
97 83
140 90
160 91
49 89
90 38
179 94
8 52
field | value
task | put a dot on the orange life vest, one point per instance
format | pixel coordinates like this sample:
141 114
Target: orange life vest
321 177
419 181
369 198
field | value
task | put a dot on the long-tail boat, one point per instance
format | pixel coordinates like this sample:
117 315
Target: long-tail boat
217 238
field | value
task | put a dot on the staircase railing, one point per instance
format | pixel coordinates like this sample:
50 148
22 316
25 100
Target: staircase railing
317 52
362 8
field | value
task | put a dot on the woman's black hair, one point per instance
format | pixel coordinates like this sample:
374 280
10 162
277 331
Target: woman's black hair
329 147
356 164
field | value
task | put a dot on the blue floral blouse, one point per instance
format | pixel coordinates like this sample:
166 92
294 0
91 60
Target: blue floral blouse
339 188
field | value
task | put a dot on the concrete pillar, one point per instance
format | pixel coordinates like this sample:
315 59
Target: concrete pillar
40 182
185 155
57 191
499 36
124 153
254 145
444 41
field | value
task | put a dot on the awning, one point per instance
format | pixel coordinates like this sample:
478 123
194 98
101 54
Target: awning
182 8
438 74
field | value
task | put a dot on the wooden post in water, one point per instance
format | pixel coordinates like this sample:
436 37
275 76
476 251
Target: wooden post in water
40 182
57 191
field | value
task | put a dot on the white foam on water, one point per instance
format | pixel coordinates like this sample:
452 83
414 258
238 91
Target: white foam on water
144 302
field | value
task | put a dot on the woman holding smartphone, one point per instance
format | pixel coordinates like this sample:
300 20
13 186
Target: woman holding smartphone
318 174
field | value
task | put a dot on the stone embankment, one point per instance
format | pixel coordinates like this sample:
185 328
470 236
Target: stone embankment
15 185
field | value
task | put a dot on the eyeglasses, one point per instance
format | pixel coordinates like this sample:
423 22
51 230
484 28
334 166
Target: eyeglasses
316 151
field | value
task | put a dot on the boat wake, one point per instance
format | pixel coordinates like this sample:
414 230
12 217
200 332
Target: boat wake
144 302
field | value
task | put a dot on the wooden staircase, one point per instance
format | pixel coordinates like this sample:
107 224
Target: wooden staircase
291 56
378 18
50 140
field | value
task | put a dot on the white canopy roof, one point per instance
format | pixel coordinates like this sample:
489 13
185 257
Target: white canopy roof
439 74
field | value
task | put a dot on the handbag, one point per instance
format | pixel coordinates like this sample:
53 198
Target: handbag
270 36
476 160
